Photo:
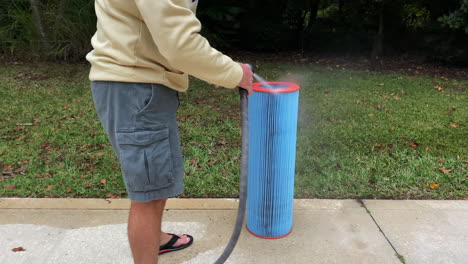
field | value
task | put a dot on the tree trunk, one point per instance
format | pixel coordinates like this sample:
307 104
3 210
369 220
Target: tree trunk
312 9
302 32
377 49
60 16
39 25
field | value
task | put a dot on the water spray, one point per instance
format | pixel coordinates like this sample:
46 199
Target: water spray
262 81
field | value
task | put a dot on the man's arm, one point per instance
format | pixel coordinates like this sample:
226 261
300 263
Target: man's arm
175 30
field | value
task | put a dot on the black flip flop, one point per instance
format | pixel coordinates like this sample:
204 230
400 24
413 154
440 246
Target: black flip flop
169 246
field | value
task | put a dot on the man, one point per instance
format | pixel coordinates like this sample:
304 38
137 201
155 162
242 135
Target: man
143 53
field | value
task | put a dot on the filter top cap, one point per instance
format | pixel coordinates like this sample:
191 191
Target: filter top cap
276 87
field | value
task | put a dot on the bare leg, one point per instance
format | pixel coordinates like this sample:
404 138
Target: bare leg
144 230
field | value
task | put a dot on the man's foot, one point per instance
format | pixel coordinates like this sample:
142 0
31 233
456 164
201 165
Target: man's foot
173 242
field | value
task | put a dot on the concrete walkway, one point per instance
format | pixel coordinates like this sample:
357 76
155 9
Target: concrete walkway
325 231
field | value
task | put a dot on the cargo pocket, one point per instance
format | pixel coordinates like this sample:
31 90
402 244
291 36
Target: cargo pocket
146 159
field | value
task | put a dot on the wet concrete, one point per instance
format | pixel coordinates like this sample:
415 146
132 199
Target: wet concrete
325 231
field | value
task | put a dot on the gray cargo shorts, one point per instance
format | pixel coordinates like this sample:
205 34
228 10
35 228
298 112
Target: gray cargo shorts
140 121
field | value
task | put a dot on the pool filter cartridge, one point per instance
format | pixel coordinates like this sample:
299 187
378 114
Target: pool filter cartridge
273 113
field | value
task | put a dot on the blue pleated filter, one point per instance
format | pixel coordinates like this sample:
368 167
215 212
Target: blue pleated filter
273 113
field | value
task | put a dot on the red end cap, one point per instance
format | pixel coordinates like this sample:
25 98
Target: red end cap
276 87
264 237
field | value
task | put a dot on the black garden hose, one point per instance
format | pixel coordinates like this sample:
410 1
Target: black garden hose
243 180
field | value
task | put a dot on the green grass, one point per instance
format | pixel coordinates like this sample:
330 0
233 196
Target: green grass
354 138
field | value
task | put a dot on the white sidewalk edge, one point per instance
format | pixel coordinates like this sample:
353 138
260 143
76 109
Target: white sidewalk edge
172 204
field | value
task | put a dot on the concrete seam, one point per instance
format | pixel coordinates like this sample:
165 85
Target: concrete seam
400 257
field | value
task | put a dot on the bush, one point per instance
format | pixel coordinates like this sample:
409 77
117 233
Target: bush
431 28
68 26
17 28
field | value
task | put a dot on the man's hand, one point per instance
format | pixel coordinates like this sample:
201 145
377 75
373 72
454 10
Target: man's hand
247 78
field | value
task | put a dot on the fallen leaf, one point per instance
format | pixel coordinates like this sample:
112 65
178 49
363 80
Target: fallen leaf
50 187
100 154
434 185
414 144
410 79
442 161
8 168
18 249
466 198
392 128
87 184
390 146
38 175
66 106
46 146
350 77
403 92
10 187
444 78
327 91
85 146
427 149
440 89
371 114
21 170
454 125
37 121
445 171
113 196
103 181
68 190
381 84
452 109
93 134
378 145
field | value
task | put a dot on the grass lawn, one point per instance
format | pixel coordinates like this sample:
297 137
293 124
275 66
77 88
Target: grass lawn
361 135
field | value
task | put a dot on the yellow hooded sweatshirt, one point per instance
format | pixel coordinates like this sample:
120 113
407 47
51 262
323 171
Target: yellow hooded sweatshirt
156 41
